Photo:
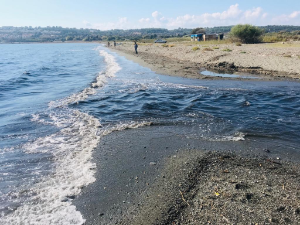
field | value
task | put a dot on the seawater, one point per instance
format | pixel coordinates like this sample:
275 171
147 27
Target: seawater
53 117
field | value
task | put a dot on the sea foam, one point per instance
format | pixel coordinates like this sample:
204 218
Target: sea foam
71 148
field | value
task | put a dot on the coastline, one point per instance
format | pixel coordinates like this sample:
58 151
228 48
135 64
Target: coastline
152 175
267 61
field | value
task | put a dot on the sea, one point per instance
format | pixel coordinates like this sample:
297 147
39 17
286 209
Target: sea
57 101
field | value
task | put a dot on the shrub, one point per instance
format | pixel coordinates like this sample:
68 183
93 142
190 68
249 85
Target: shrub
287 56
195 48
238 44
246 33
171 46
207 49
227 50
198 30
243 52
164 45
215 47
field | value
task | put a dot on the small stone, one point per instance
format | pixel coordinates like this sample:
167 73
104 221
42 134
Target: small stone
249 196
152 163
281 208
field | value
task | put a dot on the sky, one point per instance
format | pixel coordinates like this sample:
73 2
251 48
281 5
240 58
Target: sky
131 14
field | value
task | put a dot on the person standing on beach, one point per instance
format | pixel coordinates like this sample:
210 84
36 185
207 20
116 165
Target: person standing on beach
108 44
135 47
115 44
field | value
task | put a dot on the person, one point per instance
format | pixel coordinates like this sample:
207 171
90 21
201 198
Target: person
115 44
108 44
135 47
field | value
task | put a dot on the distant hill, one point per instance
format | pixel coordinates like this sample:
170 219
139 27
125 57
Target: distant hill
56 33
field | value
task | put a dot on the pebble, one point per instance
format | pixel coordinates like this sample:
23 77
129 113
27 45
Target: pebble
152 163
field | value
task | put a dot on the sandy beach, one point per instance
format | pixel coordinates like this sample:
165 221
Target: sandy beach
155 175
270 61
152 175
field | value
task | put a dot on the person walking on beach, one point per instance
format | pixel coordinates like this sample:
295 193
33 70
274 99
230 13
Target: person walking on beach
135 47
115 44
108 44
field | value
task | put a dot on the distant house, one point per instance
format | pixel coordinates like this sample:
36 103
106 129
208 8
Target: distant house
197 37
206 37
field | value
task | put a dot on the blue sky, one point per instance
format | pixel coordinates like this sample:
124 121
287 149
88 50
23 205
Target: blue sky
170 14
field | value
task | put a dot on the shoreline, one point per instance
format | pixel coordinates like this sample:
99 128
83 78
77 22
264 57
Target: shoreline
157 175
266 61
152 175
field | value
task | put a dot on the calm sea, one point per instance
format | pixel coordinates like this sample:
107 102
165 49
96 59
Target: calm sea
58 100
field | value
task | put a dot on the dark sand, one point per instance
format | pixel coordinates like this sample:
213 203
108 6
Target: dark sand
156 175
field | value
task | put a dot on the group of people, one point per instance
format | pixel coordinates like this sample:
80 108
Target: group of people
135 46
108 44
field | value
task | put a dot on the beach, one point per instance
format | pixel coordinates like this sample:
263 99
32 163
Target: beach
151 175
275 61
158 175
116 142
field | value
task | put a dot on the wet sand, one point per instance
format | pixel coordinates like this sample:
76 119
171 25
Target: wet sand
156 175
269 61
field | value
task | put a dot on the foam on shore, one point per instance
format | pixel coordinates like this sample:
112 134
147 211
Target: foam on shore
50 200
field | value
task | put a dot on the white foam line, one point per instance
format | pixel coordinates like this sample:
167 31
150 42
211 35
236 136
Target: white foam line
112 67
71 148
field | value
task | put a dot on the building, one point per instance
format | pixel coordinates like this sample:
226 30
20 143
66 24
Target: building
206 37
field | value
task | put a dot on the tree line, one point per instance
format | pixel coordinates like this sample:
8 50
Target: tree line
57 33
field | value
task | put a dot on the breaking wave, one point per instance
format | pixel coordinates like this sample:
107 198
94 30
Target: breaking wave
71 148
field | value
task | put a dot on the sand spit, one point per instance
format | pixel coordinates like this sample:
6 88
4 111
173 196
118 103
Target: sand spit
214 188
271 61
146 176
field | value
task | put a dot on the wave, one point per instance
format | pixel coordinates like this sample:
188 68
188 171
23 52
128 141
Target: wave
71 148
112 67
239 136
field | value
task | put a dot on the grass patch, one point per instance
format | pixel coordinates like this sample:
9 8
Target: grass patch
281 36
287 56
177 39
165 45
215 47
196 48
227 50
238 44
171 46
208 49
243 52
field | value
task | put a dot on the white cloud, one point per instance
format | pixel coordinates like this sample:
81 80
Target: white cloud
233 15
253 14
144 20
294 14
291 19
155 14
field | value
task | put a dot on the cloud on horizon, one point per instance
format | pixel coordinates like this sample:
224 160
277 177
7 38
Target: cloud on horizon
233 15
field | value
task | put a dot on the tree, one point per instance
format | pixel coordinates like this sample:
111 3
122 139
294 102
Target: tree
198 30
246 33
